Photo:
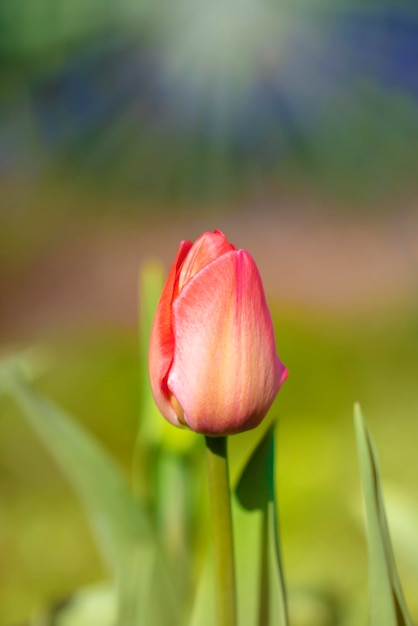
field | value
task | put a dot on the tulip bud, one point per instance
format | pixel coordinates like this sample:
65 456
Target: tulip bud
212 360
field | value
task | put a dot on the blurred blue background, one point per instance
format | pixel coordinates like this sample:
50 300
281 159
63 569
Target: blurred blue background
180 101
126 127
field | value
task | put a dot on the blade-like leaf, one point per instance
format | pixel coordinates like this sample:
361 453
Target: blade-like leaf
260 583
150 423
92 473
147 589
121 526
203 611
151 281
241 447
387 604
173 515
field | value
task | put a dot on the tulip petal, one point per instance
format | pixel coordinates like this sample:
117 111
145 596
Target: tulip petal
225 372
205 249
162 341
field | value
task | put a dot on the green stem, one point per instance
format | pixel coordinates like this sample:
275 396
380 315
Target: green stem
220 505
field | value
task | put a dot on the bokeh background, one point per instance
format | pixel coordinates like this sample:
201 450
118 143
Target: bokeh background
293 127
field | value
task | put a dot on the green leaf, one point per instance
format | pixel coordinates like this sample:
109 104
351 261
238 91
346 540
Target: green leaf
117 517
150 422
147 589
260 582
387 604
241 447
151 281
121 526
203 611
173 514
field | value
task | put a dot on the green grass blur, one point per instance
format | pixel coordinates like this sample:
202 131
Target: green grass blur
47 551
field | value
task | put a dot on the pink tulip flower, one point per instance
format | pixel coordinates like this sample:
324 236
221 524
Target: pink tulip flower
212 359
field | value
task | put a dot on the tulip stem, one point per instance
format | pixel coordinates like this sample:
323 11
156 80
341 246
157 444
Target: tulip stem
220 506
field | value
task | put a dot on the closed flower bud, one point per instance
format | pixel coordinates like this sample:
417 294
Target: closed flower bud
212 360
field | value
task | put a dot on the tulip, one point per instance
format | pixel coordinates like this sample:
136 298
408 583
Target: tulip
213 363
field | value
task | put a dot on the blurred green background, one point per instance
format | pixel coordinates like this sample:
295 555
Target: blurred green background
126 127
